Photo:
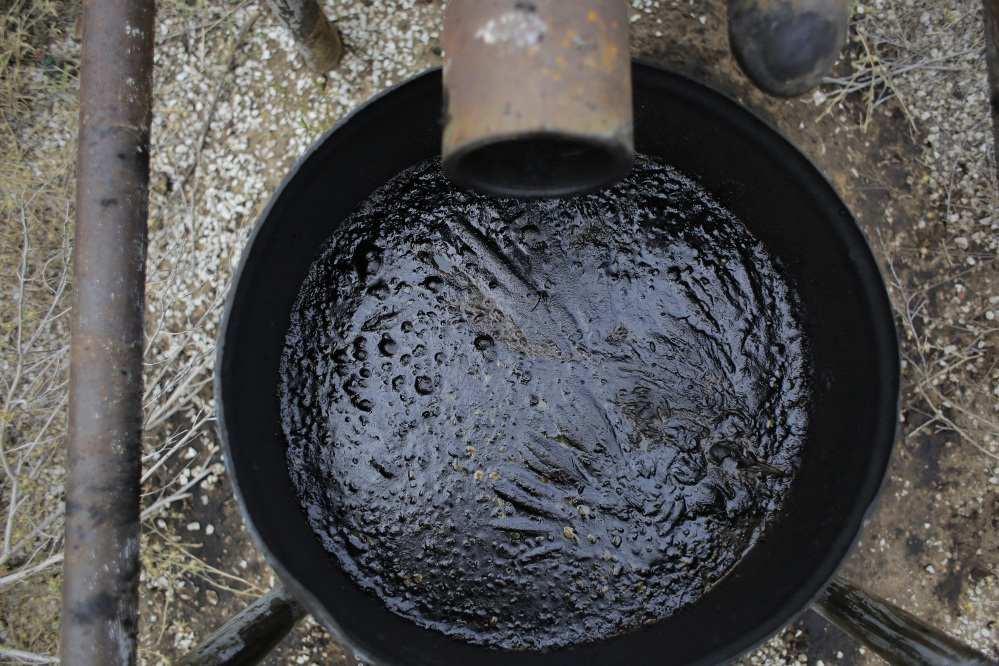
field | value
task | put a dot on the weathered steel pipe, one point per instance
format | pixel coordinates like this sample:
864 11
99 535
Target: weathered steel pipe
896 636
786 46
318 40
101 570
247 638
537 96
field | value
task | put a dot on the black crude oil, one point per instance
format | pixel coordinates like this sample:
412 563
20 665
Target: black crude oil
535 424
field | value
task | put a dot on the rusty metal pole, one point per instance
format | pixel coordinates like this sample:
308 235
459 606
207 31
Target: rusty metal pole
992 62
537 95
318 40
101 570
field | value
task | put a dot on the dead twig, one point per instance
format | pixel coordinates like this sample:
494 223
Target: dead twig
27 657
910 307
10 579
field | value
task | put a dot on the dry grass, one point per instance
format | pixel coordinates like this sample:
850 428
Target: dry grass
951 365
929 60
888 43
36 191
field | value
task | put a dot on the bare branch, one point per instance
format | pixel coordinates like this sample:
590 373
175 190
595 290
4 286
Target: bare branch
10 579
27 657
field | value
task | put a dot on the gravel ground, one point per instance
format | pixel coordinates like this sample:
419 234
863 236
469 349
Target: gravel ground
901 129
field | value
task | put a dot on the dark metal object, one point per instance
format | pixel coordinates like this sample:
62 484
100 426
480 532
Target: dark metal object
750 170
896 636
247 638
787 46
537 96
101 571
318 40
992 60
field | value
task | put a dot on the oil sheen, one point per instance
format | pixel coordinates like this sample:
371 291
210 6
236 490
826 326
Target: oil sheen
534 424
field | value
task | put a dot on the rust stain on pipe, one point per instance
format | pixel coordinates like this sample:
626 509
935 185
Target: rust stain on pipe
101 571
537 95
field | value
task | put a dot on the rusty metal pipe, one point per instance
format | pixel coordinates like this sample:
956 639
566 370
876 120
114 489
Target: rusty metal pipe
101 570
318 40
537 96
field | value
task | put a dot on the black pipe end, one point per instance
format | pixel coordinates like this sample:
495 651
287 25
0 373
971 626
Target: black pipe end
542 165
786 46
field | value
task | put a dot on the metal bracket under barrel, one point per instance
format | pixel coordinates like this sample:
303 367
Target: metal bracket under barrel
896 636
247 638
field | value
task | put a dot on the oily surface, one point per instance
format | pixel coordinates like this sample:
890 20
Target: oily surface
533 424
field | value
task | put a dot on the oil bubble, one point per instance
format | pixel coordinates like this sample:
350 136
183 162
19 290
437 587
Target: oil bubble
362 404
388 346
424 385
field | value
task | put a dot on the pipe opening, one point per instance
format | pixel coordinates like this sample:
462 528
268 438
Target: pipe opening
543 165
